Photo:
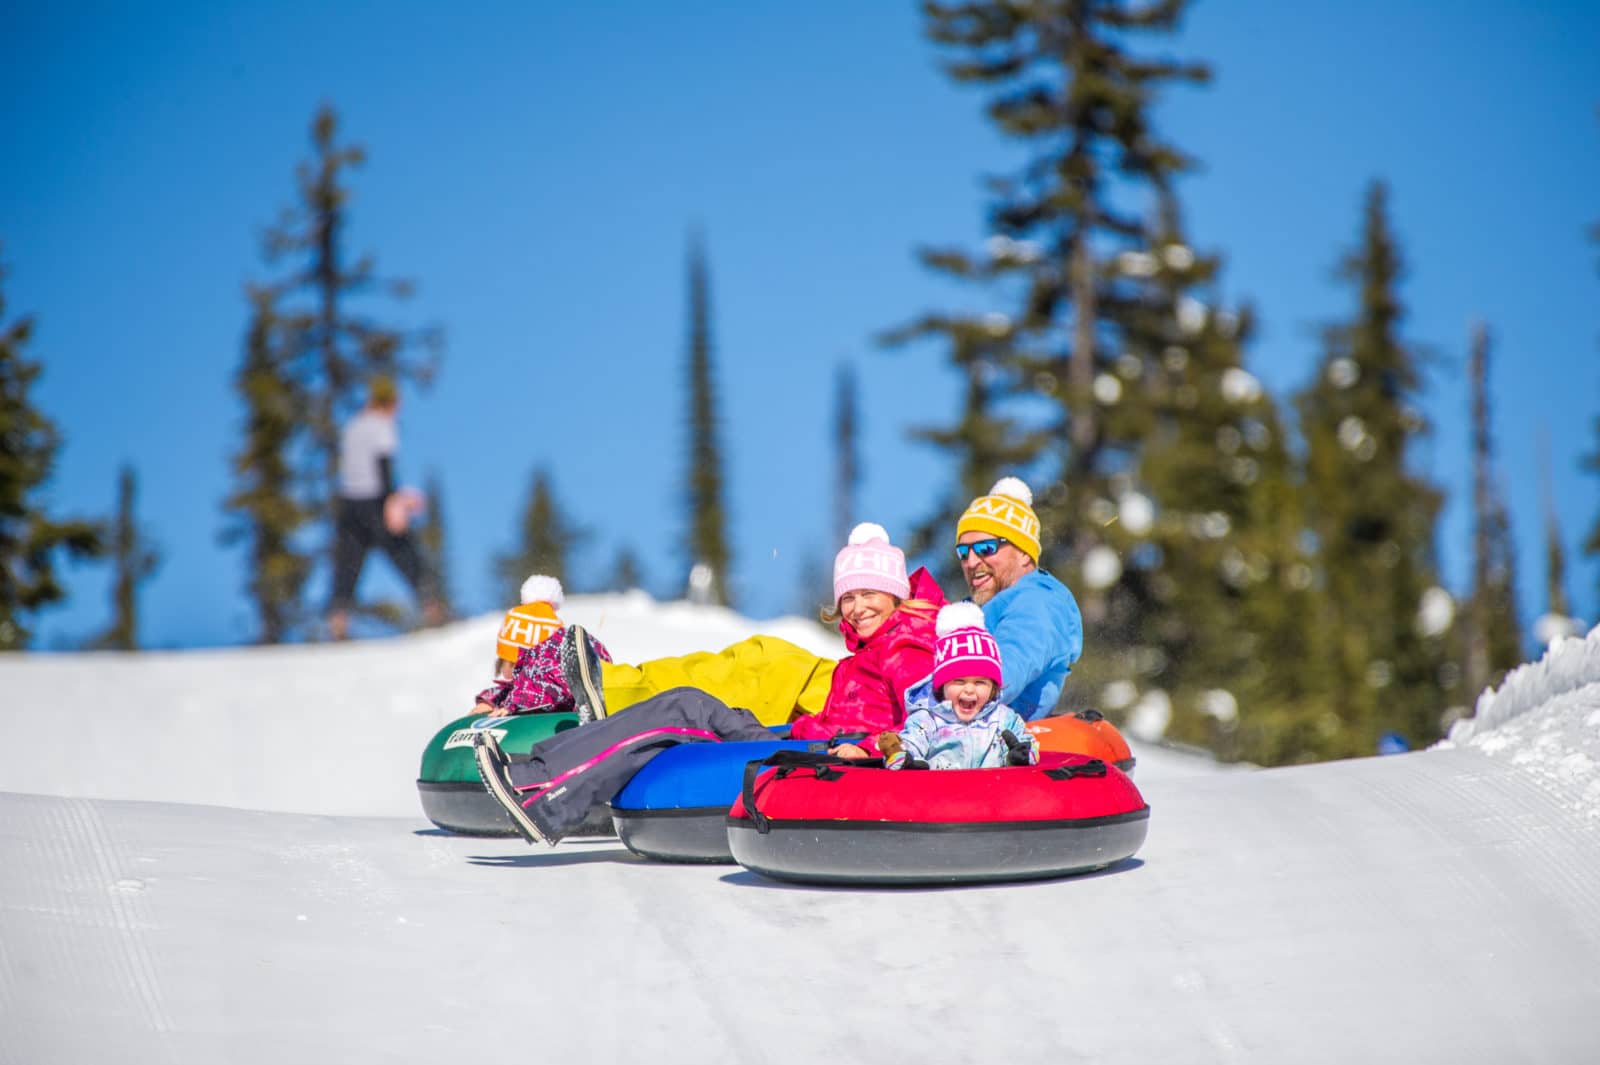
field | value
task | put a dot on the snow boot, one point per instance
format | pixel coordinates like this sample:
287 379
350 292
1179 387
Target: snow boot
493 767
580 667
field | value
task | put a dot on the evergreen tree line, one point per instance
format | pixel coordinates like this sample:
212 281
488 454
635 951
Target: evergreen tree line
33 539
1260 584
1256 577
309 350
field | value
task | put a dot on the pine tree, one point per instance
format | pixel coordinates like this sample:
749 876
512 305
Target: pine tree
1494 637
1557 620
984 443
1384 621
847 458
1591 546
708 519
31 539
813 585
545 541
328 347
1206 522
1504 628
627 574
432 541
1068 87
134 559
266 509
1555 589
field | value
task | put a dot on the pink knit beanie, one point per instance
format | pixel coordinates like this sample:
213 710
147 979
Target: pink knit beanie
870 562
964 647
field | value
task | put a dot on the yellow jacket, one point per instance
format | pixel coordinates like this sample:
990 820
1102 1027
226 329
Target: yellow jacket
767 676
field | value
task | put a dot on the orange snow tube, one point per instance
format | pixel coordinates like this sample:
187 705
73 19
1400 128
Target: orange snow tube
1083 732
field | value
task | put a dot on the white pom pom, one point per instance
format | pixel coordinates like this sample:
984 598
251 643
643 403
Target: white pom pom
541 589
1012 488
868 532
958 616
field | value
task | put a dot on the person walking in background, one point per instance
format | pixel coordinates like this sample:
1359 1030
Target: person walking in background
370 511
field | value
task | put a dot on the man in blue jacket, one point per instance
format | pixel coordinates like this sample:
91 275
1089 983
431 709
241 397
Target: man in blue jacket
1030 614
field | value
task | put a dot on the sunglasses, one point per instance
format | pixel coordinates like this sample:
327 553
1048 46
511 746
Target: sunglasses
981 548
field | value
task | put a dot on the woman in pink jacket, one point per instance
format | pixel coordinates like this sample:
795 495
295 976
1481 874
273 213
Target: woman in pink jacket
886 619
891 637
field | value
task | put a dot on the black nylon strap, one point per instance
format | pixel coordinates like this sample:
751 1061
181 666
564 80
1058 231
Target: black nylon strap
1094 767
787 761
748 793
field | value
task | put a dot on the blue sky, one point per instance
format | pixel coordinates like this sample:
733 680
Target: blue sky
537 171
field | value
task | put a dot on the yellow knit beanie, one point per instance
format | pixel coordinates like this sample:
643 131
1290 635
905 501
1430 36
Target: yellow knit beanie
1006 512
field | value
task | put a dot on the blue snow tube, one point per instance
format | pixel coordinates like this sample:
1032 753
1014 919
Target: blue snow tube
675 809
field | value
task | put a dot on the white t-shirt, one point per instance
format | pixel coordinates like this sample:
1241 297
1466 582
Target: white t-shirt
368 437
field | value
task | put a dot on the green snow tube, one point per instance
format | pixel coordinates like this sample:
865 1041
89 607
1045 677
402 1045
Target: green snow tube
453 796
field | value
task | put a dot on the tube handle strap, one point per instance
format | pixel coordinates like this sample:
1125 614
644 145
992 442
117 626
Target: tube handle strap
827 767
1094 767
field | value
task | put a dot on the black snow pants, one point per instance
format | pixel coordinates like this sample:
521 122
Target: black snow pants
358 528
591 764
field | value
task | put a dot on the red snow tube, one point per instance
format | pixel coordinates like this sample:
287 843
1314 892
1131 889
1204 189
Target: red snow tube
841 823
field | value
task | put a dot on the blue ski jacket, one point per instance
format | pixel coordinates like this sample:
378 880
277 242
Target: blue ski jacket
1039 629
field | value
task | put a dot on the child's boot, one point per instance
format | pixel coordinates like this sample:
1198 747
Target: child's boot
580 667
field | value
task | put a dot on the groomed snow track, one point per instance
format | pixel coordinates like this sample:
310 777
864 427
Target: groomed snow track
1442 906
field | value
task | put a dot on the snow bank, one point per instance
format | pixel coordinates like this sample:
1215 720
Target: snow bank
1545 719
310 728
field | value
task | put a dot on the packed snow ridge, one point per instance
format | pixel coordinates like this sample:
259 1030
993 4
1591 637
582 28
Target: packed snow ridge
1545 719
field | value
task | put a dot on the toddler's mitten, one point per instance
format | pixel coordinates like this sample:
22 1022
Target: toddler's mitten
1018 752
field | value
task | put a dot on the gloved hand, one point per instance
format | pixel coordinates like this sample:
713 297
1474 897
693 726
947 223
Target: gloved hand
1018 752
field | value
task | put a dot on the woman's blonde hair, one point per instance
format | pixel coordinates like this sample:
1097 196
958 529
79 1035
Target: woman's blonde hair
831 615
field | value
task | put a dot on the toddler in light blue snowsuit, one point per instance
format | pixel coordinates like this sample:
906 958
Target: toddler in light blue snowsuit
967 728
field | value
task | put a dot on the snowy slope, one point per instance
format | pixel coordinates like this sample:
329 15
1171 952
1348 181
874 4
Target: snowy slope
330 729
1441 906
